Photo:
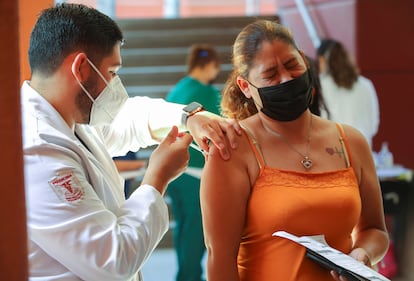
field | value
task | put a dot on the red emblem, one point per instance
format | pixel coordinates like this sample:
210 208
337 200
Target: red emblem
67 187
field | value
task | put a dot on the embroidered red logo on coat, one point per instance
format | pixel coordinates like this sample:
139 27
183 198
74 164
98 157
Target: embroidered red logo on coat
67 187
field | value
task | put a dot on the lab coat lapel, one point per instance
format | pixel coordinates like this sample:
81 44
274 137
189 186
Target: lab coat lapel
104 175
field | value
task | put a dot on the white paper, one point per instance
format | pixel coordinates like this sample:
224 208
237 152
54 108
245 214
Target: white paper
334 256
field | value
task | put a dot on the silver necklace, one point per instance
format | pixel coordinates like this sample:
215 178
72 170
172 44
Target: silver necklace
306 161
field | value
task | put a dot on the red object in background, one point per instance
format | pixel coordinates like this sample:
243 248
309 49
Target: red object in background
388 266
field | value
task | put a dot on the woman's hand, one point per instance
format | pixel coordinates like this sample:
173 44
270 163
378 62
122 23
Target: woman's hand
206 128
360 255
338 277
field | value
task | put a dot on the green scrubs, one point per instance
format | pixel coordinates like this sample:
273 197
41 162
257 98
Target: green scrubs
185 190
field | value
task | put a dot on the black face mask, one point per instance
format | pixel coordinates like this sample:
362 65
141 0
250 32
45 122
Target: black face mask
286 101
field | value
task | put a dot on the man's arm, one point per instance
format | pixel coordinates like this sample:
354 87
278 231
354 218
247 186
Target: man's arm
145 121
204 126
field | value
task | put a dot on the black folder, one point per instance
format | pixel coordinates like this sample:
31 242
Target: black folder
326 263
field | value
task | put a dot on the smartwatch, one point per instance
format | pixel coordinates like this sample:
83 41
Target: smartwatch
190 110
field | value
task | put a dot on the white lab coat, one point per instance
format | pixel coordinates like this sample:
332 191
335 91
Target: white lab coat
357 107
80 227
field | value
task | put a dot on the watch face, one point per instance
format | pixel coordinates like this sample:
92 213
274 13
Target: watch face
190 110
192 107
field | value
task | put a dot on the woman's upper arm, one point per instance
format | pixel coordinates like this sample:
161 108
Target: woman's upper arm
370 234
372 213
225 188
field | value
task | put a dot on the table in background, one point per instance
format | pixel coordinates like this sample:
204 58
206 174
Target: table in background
397 188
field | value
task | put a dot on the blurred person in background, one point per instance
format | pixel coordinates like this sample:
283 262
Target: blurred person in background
203 67
350 97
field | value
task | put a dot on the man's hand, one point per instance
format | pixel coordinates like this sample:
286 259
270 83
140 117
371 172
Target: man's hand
168 160
208 128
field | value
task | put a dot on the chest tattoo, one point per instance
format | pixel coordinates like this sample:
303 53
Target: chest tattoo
335 150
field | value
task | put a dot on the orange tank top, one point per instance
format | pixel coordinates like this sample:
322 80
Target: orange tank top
304 204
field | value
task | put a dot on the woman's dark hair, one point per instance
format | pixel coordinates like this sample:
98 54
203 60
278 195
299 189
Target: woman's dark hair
246 46
200 55
67 28
317 103
339 64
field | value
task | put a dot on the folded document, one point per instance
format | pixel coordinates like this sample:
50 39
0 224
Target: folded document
333 259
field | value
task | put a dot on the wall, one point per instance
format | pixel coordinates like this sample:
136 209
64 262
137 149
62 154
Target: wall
326 15
128 9
28 12
385 45
13 247
385 51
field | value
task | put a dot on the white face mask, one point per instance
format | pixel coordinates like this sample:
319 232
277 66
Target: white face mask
109 102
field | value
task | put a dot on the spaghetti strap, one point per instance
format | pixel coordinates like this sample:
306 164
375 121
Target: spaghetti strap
344 143
255 147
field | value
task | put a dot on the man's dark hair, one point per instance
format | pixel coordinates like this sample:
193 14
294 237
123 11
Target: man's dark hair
67 28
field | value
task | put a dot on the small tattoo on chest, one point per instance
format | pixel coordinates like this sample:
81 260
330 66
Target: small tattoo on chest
334 150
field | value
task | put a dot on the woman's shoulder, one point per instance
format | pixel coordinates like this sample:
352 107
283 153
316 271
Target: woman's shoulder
326 125
328 85
327 129
366 84
356 140
364 79
244 143
250 125
326 79
183 91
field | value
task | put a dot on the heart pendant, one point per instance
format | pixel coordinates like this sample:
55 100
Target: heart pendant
307 163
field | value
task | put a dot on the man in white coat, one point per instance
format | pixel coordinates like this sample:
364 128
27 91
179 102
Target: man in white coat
76 116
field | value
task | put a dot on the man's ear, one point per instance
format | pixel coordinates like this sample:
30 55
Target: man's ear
244 86
79 67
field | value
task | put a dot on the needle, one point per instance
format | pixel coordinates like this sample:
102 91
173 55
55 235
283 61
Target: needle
196 147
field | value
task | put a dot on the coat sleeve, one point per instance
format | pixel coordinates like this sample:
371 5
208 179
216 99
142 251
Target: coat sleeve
71 224
141 122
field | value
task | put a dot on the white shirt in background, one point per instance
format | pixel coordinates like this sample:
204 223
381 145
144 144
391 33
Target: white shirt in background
357 107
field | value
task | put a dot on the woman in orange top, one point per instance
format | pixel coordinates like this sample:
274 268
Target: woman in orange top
293 171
